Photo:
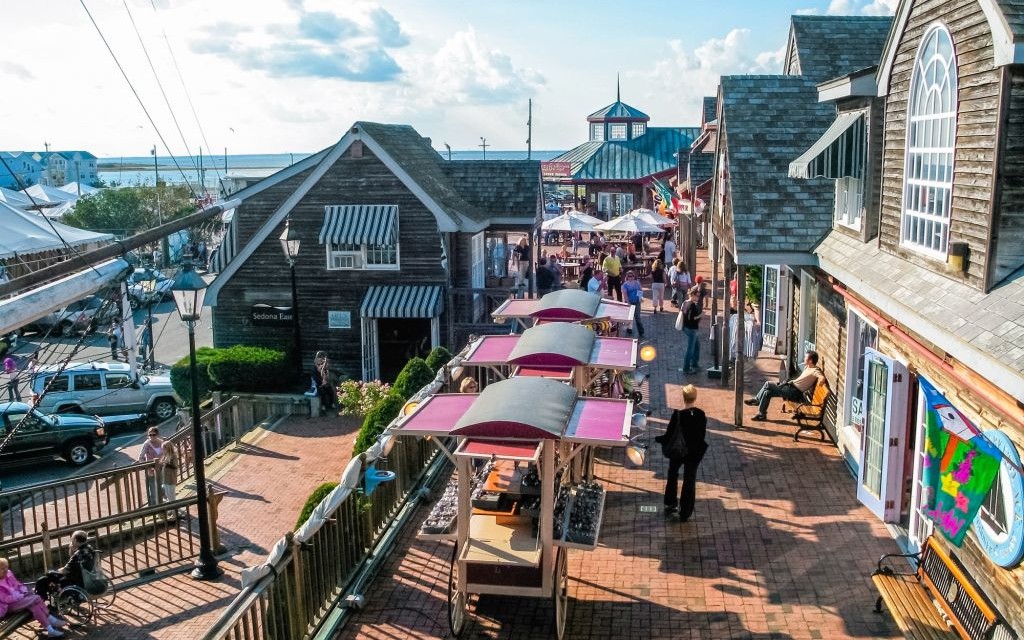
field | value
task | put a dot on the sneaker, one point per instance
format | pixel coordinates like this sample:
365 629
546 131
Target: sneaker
52 632
751 402
57 623
759 417
669 511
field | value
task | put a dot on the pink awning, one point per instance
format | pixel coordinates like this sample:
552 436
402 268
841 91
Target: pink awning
491 350
500 448
552 373
618 312
600 421
614 353
436 415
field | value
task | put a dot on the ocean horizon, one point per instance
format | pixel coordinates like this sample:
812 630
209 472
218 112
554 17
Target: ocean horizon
139 170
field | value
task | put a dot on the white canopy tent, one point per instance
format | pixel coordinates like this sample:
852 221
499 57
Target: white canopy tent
14 198
28 232
77 189
49 195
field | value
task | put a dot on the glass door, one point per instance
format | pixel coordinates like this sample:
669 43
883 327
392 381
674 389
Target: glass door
371 358
885 426
770 307
808 314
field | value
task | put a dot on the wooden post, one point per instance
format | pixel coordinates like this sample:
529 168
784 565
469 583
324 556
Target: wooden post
297 604
726 334
715 281
213 499
44 527
741 341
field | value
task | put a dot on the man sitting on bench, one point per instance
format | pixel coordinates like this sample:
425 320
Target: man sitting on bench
794 390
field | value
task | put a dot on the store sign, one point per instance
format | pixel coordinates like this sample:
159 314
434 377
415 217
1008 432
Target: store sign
339 319
264 315
555 170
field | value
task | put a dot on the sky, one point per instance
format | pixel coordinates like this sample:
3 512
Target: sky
279 76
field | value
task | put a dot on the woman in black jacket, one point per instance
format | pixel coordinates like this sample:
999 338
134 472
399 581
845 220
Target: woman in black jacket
692 424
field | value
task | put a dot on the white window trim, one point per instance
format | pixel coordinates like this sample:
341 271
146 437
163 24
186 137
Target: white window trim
597 132
638 129
943 219
843 216
625 131
363 264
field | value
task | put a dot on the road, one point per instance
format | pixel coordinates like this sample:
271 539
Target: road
171 344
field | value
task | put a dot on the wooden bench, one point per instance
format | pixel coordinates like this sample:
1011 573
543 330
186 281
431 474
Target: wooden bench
937 601
12 621
810 415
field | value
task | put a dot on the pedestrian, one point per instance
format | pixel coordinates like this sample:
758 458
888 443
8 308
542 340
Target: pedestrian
702 288
613 275
691 312
682 283
586 275
633 292
521 254
166 473
669 246
596 282
322 381
11 369
794 390
114 338
83 558
468 385
15 596
683 443
658 285
638 241
545 277
146 344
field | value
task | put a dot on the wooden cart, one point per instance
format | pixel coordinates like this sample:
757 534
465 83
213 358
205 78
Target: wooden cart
565 305
520 498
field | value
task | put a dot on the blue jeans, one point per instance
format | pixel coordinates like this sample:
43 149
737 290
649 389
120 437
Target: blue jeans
692 357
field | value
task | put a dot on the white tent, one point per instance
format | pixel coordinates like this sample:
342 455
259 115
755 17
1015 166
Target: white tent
628 224
14 198
49 195
27 232
74 188
649 215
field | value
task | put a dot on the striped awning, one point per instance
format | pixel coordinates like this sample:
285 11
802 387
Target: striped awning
402 301
224 253
838 153
360 224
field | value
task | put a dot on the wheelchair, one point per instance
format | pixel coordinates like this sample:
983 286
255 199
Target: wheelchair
80 606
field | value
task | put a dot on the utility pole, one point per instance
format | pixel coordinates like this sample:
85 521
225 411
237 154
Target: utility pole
202 173
164 245
483 145
449 148
529 129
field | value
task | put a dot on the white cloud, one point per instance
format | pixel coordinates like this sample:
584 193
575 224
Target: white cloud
862 7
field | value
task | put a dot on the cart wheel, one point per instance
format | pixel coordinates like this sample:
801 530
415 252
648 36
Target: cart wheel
456 599
561 592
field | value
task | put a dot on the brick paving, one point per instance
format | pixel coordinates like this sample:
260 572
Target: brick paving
779 546
267 479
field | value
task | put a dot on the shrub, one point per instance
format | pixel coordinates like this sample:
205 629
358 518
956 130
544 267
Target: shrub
245 368
414 376
181 378
357 397
377 419
313 500
437 358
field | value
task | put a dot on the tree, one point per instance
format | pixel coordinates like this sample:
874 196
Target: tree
128 210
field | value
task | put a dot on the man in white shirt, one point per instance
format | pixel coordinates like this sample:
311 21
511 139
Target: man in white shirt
670 249
794 390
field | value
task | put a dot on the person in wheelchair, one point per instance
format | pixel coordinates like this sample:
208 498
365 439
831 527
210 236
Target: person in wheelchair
83 557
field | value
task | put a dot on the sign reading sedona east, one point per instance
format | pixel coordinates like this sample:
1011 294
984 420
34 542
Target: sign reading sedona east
264 315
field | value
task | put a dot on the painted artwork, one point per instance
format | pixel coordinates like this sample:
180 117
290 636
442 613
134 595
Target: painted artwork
960 466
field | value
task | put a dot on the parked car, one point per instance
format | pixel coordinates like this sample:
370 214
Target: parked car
82 316
103 388
76 438
137 295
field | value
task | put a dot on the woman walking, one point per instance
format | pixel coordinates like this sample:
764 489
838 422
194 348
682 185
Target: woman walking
156 448
658 286
684 446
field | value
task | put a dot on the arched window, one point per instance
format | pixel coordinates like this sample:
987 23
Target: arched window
931 138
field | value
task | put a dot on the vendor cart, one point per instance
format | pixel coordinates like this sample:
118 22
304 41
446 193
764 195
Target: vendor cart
518 501
566 305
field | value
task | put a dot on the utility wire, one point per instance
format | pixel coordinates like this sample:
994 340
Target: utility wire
188 94
138 98
159 84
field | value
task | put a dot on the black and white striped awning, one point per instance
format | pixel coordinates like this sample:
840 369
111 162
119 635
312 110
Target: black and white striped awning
402 301
224 253
838 153
360 224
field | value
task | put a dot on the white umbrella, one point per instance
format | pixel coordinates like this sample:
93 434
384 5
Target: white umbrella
567 222
586 217
651 216
629 224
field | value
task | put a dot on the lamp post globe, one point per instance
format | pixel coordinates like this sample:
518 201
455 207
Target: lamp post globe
189 290
290 243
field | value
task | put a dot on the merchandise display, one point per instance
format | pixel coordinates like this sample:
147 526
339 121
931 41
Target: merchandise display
578 512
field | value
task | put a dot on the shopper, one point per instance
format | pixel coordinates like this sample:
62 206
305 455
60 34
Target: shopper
612 267
15 596
692 312
658 286
634 295
684 445
166 472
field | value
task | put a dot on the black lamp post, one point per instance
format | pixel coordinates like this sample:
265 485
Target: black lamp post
290 245
149 288
189 290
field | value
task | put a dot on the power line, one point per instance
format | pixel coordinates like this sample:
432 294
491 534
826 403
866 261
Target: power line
138 98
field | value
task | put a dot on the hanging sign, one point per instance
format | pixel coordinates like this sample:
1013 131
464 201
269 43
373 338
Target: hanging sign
555 170
264 315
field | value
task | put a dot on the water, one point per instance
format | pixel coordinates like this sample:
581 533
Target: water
138 170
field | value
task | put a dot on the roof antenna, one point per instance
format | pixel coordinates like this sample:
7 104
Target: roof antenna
618 89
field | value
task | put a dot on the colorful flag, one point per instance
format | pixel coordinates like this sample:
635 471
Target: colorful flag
667 198
960 466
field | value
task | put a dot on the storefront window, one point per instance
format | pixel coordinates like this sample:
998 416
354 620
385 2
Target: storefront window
861 336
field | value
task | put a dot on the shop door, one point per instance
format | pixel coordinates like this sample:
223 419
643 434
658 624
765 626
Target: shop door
371 362
770 307
477 273
880 481
808 314
401 340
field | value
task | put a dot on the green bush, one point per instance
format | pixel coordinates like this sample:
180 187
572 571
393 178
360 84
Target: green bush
181 378
755 283
313 500
415 375
377 419
245 368
437 358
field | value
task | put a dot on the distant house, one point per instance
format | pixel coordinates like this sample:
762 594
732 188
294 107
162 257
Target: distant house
613 171
49 168
28 169
401 250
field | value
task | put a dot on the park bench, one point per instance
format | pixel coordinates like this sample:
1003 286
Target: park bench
937 601
810 415
12 621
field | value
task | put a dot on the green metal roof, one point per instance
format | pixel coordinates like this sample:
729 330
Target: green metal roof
618 109
629 160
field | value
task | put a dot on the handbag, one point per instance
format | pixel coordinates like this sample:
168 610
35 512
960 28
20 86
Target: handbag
673 444
95 581
679 320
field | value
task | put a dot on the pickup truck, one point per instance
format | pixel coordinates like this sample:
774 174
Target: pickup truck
76 438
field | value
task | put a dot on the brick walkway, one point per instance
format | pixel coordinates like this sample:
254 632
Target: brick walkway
779 546
267 480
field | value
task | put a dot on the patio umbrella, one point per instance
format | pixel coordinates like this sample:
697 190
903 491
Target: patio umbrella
567 222
586 217
628 224
651 216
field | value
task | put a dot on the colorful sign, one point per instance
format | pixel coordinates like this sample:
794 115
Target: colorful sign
555 170
959 466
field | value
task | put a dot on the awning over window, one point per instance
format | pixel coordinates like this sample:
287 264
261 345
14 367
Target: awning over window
403 301
359 224
838 153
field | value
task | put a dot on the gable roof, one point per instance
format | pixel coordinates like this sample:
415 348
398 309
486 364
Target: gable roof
831 46
499 188
709 109
767 121
618 110
629 160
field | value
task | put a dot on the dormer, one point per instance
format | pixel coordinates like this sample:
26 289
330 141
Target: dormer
617 122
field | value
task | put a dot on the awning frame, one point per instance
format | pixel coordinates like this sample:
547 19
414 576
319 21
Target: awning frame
840 152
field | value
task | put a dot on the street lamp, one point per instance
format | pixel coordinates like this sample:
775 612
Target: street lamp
290 245
148 283
189 289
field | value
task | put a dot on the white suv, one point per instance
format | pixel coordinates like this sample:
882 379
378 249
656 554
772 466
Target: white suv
103 388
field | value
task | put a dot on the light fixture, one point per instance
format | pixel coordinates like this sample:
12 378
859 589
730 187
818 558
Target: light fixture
410 407
636 453
648 352
189 290
639 420
290 242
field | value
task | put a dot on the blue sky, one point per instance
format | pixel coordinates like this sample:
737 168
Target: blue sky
269 76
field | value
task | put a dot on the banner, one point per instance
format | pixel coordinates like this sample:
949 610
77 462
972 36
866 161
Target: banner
555 170
960 466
